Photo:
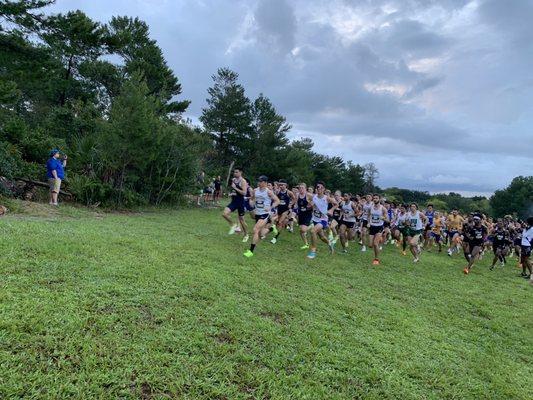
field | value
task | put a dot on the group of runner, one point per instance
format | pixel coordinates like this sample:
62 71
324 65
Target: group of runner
371 221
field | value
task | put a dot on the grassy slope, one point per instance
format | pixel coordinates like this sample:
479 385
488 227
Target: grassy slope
163 305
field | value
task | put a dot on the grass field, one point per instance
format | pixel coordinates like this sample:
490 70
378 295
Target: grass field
164 305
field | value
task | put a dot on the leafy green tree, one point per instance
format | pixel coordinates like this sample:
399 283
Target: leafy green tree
328 170
297 158
354 177
407 196
517 198
438 204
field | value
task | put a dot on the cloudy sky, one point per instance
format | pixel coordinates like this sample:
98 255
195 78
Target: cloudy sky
437 93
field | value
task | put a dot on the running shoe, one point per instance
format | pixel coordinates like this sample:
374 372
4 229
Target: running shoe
416 260
248 253
245 238
363 248
274 230
311 254
375 261
466 271
404 253
304 247
237 229
491 268
331 246
344 251
274 240
232 230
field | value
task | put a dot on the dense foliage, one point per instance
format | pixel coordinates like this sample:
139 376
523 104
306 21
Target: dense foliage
515 199
118 121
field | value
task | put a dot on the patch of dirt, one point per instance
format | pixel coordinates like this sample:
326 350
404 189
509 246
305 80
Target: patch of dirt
146 391
224 338
276 317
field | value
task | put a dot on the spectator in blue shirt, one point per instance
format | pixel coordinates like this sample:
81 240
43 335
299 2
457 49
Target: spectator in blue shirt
55 172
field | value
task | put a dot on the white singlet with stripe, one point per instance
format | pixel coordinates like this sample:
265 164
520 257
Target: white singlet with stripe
376 215
415 221
348 214
320 208
262 201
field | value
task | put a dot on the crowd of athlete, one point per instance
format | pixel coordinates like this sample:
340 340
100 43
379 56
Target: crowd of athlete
371 221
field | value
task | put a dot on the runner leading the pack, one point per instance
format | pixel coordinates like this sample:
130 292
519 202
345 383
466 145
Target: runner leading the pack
239 188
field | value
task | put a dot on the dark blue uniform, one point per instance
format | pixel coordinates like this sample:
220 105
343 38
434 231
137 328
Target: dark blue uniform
284 201
304 213
237 199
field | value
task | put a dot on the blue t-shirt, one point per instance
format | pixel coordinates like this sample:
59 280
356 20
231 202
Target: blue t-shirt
55 164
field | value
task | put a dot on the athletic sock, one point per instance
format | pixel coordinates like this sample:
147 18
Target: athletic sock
252 247
277 235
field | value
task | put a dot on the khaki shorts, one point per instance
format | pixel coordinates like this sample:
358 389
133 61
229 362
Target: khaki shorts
55 185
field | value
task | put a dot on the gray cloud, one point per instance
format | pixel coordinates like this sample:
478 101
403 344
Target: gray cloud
512 18
276 25
437 93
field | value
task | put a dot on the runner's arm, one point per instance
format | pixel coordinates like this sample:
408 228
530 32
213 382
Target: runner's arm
275 199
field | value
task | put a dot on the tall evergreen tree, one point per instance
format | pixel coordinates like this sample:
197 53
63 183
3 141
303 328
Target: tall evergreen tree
131 40
228 117
268 136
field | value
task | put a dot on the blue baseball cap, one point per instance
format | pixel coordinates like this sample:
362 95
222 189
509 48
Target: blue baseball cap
54 151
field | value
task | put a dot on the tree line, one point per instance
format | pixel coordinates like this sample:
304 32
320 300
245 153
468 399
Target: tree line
105 95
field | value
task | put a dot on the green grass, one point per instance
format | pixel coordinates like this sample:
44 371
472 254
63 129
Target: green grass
164 305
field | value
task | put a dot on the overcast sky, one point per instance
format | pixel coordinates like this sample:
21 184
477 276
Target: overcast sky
438 94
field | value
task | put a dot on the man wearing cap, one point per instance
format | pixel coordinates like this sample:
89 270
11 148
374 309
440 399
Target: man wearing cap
55 172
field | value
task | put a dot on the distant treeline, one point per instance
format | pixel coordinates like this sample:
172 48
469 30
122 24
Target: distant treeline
121 121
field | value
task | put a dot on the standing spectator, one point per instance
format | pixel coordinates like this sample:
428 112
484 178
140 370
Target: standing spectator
218 188
55 172
200 186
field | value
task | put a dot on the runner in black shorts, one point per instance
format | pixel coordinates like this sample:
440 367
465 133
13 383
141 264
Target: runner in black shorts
239 188
286 198
304 200
500 243
475 235
348 218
